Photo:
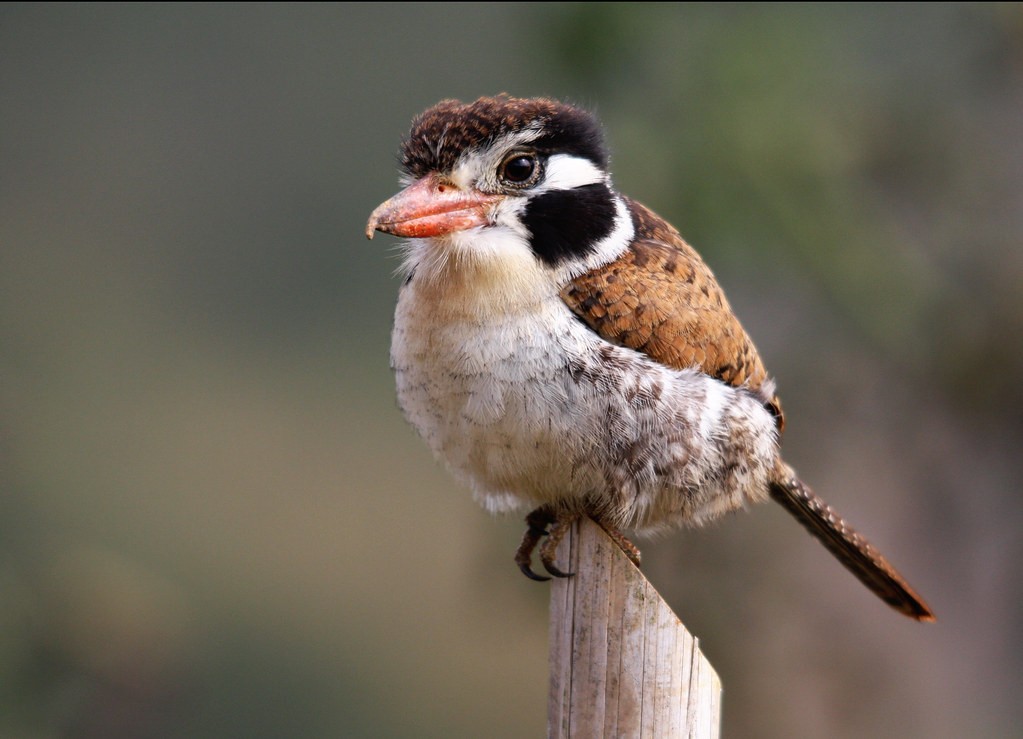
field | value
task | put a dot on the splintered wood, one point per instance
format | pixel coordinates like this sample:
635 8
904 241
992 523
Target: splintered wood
621 663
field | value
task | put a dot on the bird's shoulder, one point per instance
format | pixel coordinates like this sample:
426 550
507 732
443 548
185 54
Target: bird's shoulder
660 298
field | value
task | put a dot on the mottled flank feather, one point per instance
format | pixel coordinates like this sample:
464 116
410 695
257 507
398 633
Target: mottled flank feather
661 299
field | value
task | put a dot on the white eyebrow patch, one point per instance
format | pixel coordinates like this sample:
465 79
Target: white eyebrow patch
567 172
478 166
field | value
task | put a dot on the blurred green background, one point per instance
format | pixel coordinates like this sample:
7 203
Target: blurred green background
213 520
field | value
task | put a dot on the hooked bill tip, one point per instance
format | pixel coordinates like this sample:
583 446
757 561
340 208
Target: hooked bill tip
371 224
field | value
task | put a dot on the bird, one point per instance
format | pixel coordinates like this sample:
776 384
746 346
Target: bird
562 349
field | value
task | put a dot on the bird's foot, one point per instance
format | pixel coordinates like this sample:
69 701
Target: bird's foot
537 523
559 522
631 550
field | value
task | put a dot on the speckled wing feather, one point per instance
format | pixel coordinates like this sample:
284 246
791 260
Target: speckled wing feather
661 299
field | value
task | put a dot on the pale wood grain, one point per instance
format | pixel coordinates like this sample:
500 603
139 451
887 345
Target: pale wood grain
621 663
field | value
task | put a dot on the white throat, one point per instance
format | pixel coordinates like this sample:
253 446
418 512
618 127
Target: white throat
494 266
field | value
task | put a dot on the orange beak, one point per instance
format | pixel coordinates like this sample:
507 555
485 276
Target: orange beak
429 207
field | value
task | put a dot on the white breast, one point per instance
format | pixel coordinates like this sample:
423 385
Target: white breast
527 405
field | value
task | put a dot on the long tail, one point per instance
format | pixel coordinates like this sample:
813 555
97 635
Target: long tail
851 549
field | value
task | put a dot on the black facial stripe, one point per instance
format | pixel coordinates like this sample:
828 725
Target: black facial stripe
569 223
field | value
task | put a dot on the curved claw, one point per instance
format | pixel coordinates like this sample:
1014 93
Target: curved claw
560 522
537 522
528 572
553 569
549 549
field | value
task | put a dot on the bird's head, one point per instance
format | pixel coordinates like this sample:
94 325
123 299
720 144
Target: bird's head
505 174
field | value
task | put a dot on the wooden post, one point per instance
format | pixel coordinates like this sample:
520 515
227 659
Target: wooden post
622 664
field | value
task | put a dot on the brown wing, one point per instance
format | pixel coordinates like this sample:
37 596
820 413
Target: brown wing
660 298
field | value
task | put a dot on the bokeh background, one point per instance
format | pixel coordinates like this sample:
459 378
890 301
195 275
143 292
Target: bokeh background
213 520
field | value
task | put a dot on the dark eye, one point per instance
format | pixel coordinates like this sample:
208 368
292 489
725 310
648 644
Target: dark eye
519 169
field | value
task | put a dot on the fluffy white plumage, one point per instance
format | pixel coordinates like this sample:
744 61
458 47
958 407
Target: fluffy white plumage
523 268
528 406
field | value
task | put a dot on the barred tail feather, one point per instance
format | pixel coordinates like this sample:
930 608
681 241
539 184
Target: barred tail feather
851 549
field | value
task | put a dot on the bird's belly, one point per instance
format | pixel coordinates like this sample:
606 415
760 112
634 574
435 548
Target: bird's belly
532 407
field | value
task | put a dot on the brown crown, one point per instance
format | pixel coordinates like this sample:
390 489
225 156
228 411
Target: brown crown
442 133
